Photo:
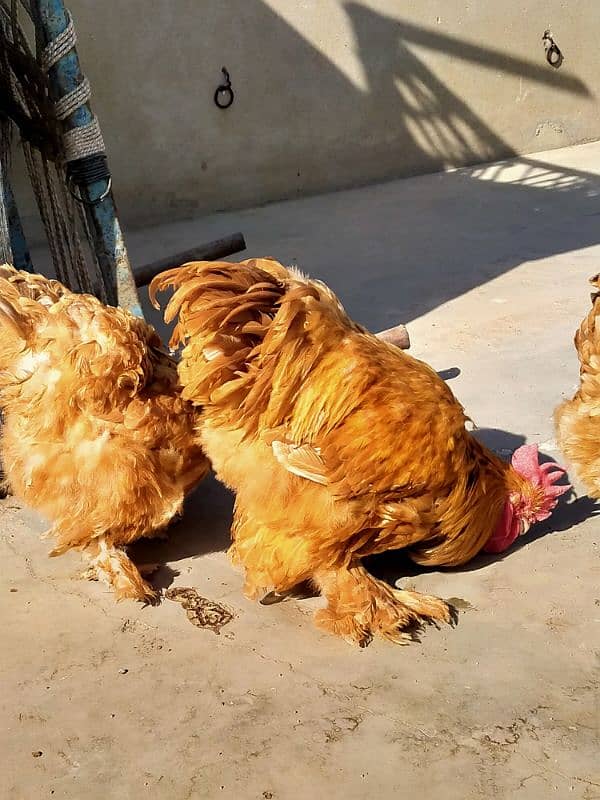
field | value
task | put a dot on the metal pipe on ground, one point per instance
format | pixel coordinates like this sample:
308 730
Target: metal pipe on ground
398 335
211 251
221 248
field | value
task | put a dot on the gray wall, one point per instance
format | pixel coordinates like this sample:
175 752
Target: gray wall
329 94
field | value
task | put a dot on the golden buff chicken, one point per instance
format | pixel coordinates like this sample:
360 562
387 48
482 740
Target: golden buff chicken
578 420
338 446
36 287
96 436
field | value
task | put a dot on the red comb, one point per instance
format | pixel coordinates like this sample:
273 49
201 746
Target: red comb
525 462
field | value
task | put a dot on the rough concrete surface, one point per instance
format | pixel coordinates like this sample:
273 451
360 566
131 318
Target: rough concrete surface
488 266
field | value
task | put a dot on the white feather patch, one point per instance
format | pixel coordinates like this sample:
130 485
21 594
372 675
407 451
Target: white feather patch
302 460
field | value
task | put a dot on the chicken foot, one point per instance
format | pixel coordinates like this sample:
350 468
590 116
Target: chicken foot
360 606
112 566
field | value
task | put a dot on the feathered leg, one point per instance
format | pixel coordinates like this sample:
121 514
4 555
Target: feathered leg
360 606
4 485
111 565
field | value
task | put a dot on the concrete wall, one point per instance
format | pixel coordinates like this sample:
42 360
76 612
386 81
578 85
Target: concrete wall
328 94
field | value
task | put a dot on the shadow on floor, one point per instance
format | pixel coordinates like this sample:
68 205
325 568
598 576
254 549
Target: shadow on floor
203 529
205 526
569 512
396 564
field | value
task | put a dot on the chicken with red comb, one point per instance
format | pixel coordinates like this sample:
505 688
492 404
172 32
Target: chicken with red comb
338 446
534 503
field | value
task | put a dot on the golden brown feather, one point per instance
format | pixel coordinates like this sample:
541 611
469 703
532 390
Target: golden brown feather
338 445
578 420
96 435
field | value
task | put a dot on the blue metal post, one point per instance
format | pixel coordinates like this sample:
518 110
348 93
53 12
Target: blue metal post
51 20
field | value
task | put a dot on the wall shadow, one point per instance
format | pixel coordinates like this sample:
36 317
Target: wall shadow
396 250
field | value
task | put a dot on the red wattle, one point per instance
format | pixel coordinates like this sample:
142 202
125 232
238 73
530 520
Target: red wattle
506 531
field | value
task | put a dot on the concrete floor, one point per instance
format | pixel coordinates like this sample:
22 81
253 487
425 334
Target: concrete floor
489 268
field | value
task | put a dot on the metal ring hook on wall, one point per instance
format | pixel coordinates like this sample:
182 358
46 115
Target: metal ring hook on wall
553 53
223 96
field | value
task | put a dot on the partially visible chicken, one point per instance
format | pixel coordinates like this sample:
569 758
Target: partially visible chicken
36 287
33 286
96 435
578 420
338 446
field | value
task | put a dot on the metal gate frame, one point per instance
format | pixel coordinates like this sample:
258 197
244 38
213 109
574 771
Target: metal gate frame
93 181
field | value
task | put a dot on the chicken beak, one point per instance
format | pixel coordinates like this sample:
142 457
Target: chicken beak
525 525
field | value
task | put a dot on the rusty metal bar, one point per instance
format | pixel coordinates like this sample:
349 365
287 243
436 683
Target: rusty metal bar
211 251
397 335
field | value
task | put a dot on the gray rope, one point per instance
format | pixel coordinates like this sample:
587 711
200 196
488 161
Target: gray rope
68 104
84 141
77 257
87 139
59 213
60 46
98 289
51 225
5 248
6 255
63 218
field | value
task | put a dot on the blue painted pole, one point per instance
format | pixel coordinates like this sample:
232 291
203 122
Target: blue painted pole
51 20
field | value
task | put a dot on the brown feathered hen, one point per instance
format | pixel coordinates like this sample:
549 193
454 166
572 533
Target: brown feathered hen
96 435
578 420
338 446
35 287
